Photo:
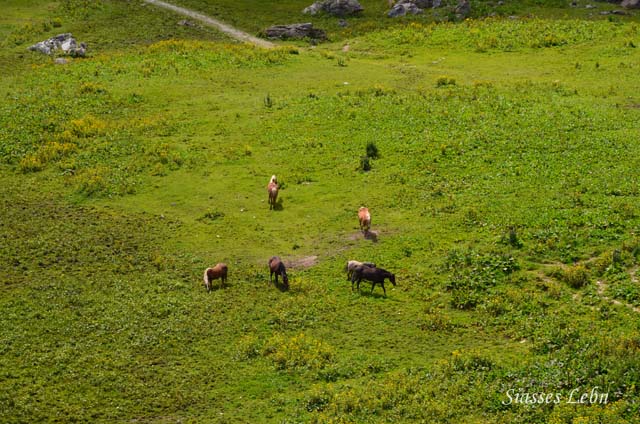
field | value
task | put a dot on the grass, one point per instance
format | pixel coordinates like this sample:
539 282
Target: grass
501 191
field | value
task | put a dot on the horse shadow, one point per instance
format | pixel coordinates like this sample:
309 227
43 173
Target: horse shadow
217 287
371 235
377 295
278 206
281 286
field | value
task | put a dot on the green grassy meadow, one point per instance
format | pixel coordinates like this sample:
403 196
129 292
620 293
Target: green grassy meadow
505 199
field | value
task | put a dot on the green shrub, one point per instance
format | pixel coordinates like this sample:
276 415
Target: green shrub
443 81
576 276
372 150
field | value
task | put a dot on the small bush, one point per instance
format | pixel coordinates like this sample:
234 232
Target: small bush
372 150
212 215
317 400
576 276
443 81
91 182
92 88
89 126
30 163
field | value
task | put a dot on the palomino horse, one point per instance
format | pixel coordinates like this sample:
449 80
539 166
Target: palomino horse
272 188
352 265
375 275
218 271
276 266
365 219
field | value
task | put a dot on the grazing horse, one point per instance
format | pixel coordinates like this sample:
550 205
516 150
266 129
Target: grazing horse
352 265
375 275
272 188
276 266
365 219
218 271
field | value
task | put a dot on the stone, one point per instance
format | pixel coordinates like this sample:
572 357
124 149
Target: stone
463 9
64 43
404 8
630 4
338 8
298 31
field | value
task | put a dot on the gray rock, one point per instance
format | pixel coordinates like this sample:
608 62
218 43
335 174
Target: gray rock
313 9
437 3
64 43
404 8
630 4
463 9
335 7
295 31
60 61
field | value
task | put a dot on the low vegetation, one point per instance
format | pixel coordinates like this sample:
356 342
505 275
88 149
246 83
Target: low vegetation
500 157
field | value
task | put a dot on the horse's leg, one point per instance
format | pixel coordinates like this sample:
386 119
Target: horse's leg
385 292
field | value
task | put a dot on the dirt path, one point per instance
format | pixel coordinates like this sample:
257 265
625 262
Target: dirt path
229 30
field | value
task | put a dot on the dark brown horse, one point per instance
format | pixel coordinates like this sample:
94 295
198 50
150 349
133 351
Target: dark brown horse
218 271
375 275
272 188
276 266
352 265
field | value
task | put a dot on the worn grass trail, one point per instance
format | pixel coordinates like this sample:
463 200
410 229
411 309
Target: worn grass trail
227 29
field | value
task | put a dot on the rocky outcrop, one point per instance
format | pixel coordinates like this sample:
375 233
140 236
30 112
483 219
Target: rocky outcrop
463 9
305 30
630 4
339 8
62 43
404 7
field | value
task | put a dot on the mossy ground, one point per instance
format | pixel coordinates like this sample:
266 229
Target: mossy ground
504 189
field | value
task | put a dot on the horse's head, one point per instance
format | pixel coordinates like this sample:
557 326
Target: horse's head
392 278
273 180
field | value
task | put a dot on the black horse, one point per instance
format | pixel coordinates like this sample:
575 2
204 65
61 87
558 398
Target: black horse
276 266
375 275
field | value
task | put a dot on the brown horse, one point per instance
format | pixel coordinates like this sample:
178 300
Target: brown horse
272 188
365 219
276 266
218 271
375 275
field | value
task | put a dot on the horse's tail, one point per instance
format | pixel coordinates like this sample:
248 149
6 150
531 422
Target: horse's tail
207 282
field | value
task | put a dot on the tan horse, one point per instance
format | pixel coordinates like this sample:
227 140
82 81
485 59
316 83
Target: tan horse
272 188
218 271
365 219
353 265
